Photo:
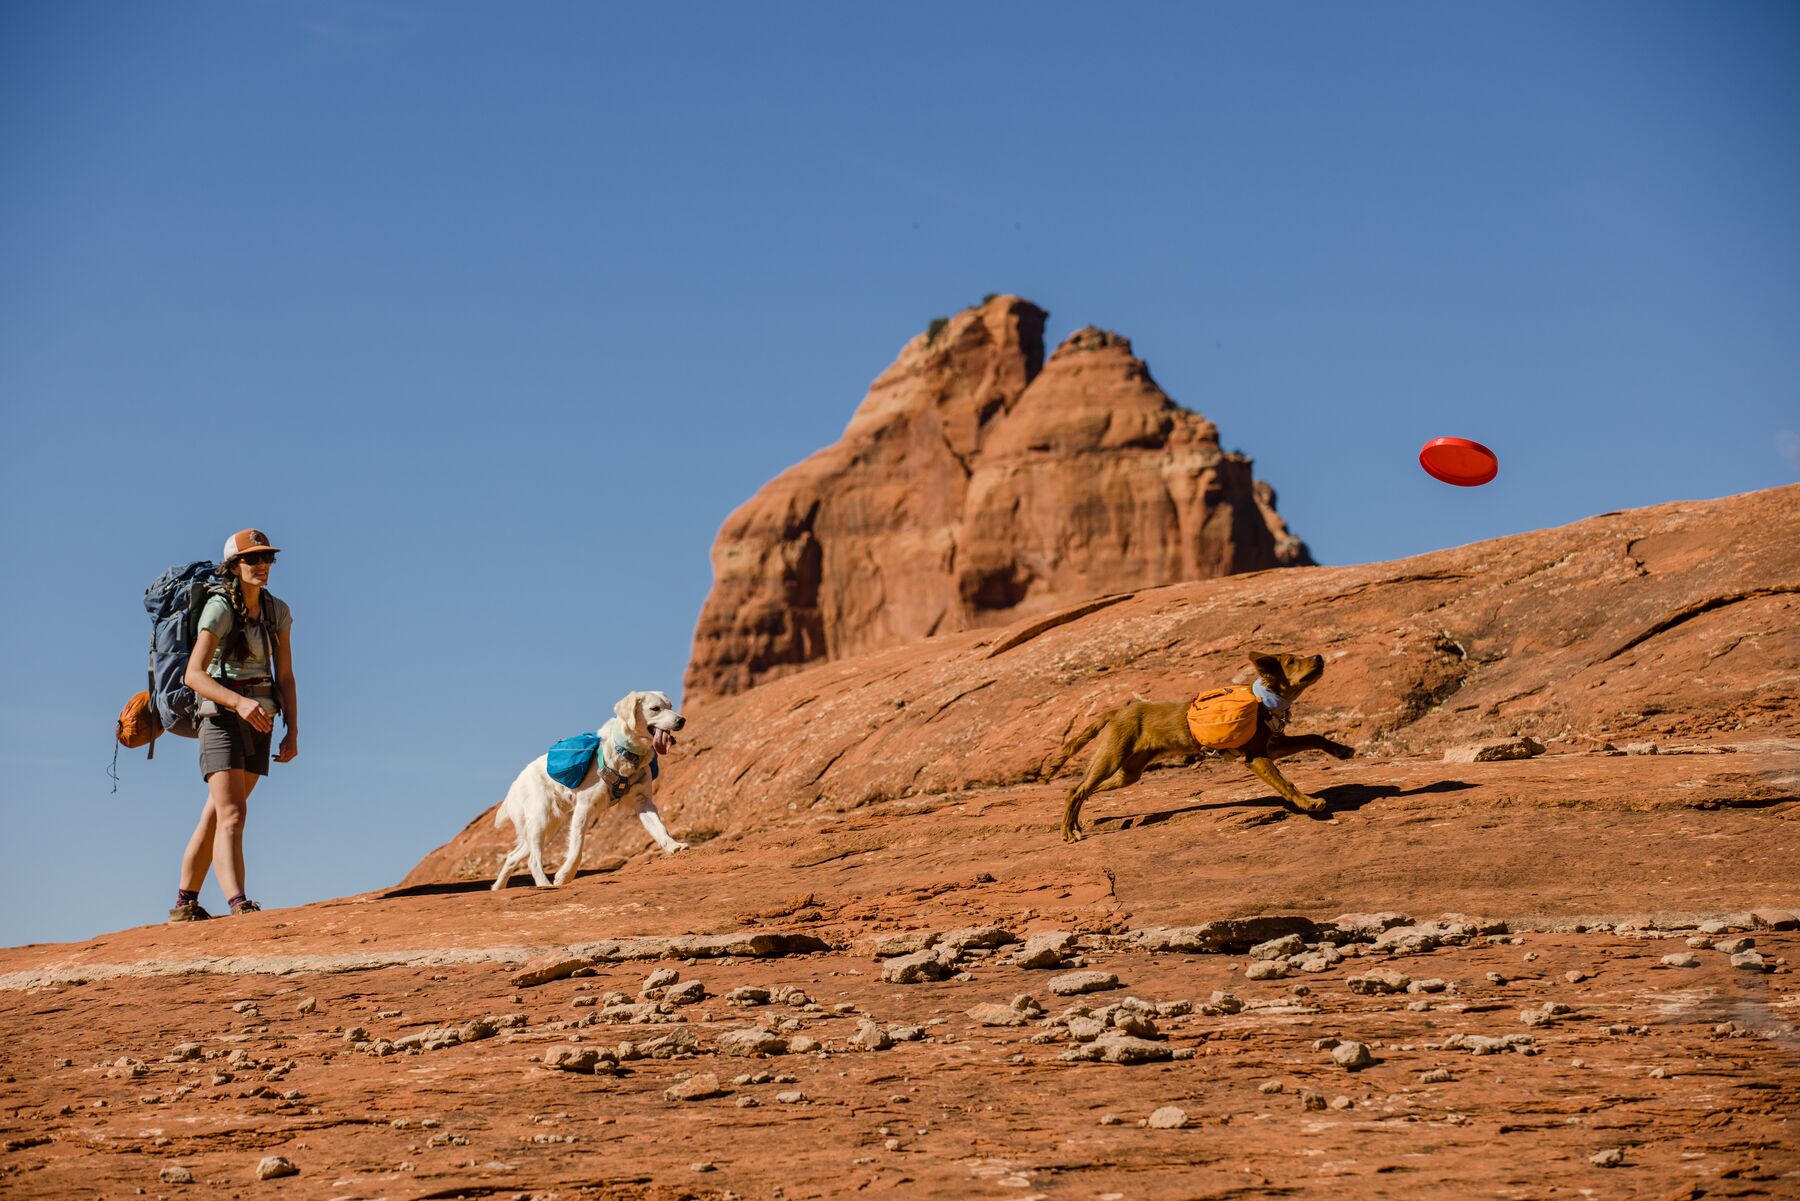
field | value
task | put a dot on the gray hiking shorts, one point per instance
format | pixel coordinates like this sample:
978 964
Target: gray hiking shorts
227 743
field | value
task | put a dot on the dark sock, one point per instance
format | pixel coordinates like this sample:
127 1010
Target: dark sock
240 898
184 897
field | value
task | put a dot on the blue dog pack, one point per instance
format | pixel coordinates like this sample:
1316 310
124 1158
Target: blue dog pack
569 761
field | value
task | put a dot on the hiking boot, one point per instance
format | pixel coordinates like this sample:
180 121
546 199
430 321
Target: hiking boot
245 906
188 911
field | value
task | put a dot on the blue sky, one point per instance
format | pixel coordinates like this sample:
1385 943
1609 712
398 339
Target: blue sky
490 315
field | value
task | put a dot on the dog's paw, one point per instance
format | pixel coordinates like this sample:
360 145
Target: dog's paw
1340 751
675 846
1073 834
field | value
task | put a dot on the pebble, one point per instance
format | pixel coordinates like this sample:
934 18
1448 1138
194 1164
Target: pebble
662 977
1733 946
175 1174
703 1166
1045 950
273 1167
1110 1119
792 1096
1118 1047
870 1037
579 1059
1575 977
1751 961
1271 1087
1279 948
1375 983
694 1088
1312 1100
752 1042
746 1102
1266 969
989 1013
1342 1103
1681 959
1435 1076
1075 983
1169 1117
310 1005
1612 1157
1352 1055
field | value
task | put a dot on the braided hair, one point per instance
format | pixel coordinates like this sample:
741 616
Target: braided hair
236 646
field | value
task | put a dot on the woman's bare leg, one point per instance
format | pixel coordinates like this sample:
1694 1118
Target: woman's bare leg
218 840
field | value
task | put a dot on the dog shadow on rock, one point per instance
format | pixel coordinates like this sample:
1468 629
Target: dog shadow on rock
522 880
1339 798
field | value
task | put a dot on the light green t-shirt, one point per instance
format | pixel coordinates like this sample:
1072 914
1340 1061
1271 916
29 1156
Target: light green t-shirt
216 618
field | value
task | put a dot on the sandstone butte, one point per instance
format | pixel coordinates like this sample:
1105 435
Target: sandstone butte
1572 974
976 485
1674 622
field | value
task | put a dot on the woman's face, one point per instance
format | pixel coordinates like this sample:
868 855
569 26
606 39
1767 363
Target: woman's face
253 568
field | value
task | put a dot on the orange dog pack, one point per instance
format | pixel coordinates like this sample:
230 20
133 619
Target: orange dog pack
1223 719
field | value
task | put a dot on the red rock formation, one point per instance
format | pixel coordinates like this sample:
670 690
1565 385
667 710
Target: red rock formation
1630 627
976 485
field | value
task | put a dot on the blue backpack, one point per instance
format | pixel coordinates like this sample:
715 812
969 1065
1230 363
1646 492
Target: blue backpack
175 601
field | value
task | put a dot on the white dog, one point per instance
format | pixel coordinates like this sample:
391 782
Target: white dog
644 727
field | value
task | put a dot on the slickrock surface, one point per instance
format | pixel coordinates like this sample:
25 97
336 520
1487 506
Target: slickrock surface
976 485
381 1045
1669 628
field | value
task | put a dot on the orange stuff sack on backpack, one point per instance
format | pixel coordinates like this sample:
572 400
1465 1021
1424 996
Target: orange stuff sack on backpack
1223 719
138 723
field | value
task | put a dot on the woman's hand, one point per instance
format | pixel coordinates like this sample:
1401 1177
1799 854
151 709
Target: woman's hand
290 746
258 718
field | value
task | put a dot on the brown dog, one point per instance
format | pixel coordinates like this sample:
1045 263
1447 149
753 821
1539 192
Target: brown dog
1132 737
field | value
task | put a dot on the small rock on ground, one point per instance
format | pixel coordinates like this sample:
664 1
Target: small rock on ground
694 1088
1169 1117
1074 983
273 1167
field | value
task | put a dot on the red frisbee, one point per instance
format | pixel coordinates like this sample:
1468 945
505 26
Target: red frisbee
1459 461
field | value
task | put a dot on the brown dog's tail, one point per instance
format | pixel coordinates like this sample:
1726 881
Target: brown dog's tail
1074 744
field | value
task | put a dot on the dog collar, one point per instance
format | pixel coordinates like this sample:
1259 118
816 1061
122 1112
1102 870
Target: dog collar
1268 698
625 750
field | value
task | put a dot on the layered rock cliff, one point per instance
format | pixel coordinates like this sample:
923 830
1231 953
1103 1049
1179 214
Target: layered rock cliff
1674 623
978 484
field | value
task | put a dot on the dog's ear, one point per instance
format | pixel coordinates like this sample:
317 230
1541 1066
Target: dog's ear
1268 666
629 710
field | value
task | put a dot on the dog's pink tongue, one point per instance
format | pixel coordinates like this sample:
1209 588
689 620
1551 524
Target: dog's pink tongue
662 741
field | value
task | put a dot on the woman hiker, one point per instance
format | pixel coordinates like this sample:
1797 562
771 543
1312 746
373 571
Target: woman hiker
242 669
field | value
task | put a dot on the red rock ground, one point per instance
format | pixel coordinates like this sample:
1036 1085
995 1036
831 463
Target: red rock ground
975 1111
